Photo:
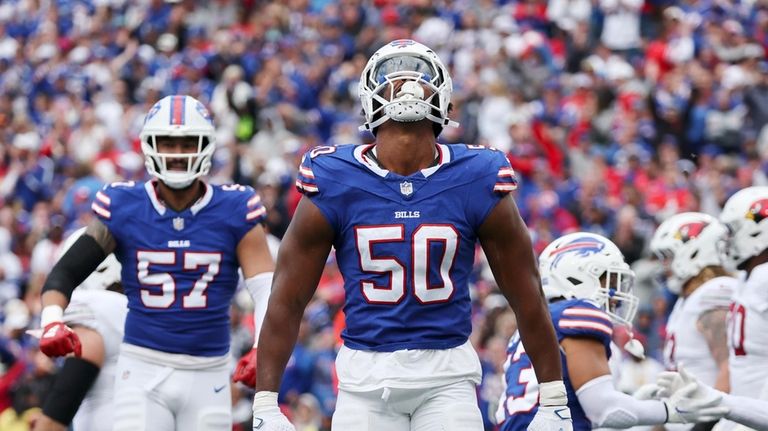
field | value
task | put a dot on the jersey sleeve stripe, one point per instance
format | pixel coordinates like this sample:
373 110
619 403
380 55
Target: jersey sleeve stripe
100 211
304 187
587 312
507 172
305 171
254 200
256 213
502 187
584 324
103 198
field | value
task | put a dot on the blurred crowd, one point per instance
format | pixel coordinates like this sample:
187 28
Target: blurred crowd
614 113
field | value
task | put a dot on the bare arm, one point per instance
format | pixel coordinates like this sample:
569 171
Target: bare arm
253 253
711 324
93 345
100 233
507 245
300 263
586 360
604 405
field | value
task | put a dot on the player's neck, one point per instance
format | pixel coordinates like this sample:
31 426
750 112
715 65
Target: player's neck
754 262
405 149
180 199
706 274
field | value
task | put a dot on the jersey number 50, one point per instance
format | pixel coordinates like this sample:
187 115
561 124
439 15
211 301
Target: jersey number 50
421 240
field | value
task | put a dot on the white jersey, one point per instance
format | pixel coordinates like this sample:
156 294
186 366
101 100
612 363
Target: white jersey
104 312
748 335
684 343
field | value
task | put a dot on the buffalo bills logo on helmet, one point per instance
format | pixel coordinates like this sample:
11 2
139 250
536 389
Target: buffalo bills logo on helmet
583 247
690 231
200 108
401 43
152 112
758 210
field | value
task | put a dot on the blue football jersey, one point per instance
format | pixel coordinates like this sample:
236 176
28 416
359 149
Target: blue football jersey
571 318
180 269
405 244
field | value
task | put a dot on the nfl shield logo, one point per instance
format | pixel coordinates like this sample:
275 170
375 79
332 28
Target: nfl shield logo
406 188
178 223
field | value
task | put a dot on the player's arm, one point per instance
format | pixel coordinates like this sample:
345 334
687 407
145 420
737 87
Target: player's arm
77 264
73 382
604 405
507 245
711 324
70 271
257 265
300 264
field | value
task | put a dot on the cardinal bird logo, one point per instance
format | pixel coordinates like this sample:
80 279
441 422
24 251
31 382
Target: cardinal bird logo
758 210
690 231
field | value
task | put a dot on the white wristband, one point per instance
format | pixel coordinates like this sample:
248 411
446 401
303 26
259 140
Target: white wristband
552 394
51 314
264 399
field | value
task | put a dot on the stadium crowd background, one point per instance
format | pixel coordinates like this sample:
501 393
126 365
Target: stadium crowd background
615 114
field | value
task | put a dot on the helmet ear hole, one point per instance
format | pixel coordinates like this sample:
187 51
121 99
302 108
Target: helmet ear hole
574 281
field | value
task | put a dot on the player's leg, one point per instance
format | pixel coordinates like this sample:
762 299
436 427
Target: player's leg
451 408
366 411
93 413
209 406
139 406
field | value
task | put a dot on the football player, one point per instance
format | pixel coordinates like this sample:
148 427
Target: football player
746 216
691 247
83 392
589 287
404 215
180 242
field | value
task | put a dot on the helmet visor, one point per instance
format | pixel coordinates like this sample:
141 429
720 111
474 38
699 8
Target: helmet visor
404 63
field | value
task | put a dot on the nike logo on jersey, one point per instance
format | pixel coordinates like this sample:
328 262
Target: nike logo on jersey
407 214
217 390
183 243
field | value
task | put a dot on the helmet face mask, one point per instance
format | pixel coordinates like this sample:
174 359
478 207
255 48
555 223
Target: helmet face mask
180 118
414 71
591 267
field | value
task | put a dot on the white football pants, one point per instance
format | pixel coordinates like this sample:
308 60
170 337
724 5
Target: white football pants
452 407
150 397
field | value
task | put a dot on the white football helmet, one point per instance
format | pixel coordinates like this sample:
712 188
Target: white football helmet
572 266
178 116
689 242
105 275
745 215
409 61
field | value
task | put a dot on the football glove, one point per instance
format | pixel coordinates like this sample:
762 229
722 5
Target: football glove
553 413
689 399
56 338
245 371
267 415
59 339
552 418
